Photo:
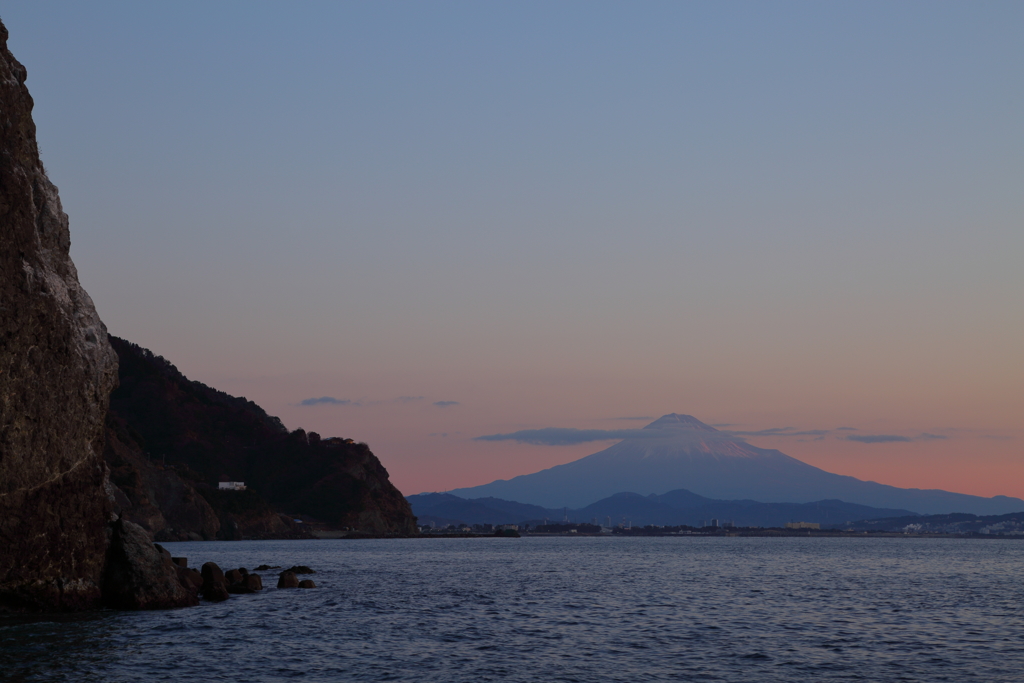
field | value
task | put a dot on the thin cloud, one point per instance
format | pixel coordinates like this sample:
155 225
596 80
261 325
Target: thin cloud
445 404
643 417
782 431
876 438
847 429
892 438
978 434
327 400
559 436
330 400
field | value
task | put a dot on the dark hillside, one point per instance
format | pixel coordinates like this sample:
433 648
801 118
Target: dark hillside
186 424
186 421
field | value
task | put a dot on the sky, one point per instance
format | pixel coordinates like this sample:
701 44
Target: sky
461 219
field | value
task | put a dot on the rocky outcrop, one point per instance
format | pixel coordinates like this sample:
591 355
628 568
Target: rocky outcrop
56 372
141 575
245 515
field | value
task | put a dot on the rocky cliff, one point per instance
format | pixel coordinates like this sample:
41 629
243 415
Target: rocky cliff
56 372
60 549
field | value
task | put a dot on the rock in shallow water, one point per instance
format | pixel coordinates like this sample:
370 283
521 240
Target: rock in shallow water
215 588
141 575
288 580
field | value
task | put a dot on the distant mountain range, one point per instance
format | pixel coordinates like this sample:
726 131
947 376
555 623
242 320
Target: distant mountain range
669 509
682 452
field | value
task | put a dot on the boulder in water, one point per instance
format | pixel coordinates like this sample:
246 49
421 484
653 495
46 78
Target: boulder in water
214 586
140 574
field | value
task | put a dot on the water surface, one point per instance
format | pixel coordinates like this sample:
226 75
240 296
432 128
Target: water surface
567 609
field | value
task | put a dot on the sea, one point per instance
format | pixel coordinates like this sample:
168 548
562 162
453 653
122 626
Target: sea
586 609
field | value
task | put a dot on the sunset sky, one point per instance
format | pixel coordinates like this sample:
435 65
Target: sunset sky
457 219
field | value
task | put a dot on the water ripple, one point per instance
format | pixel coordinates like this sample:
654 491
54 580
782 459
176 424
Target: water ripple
552 609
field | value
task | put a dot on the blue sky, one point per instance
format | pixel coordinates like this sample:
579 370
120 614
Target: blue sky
775 214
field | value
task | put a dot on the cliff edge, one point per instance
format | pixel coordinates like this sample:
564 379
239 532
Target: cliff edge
56 373
57 369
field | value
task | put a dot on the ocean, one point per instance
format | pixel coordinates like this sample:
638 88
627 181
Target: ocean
566 609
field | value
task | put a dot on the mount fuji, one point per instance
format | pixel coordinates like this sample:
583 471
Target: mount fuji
681 452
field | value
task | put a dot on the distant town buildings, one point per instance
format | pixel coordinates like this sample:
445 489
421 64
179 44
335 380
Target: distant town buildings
803 525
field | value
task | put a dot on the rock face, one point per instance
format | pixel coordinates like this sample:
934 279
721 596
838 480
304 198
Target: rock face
141 575
56 372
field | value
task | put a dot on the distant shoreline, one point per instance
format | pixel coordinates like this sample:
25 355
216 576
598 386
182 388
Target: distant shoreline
765 533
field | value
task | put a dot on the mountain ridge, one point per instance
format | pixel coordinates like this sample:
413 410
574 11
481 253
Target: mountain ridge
679 507
715 464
